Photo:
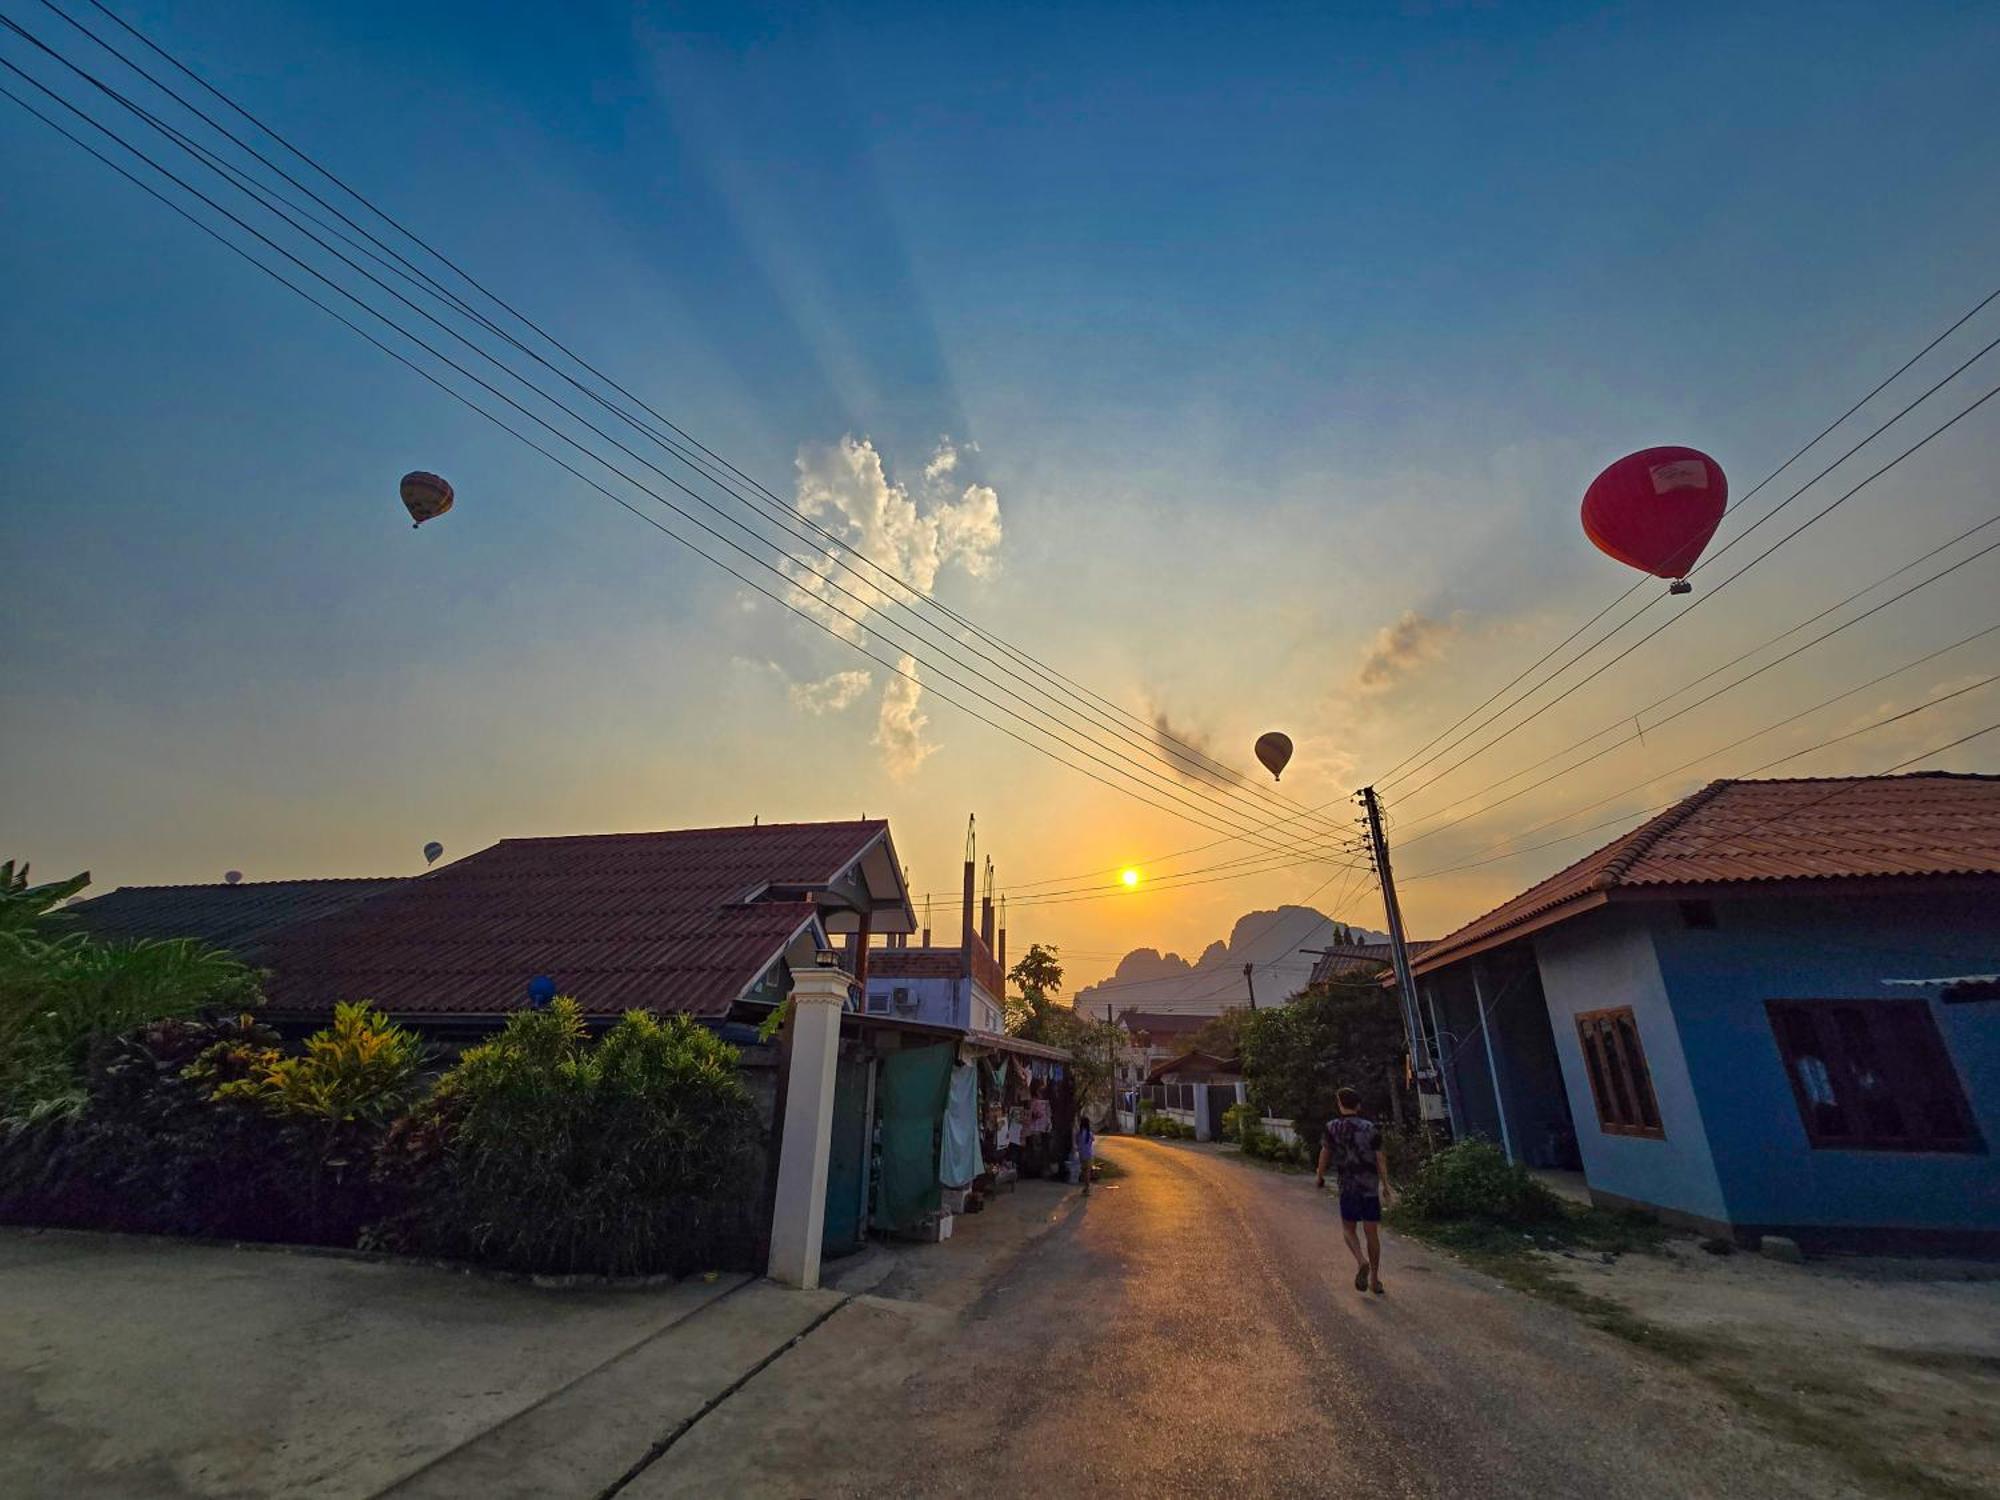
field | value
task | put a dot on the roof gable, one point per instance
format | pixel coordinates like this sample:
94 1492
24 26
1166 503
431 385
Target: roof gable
1930 824
667 921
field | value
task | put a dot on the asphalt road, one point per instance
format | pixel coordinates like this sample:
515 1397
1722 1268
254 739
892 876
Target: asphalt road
1193 1329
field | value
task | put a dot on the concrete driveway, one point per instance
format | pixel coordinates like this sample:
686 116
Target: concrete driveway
148 1368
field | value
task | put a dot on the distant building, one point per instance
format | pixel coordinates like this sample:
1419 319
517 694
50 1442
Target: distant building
962 986
1722 1016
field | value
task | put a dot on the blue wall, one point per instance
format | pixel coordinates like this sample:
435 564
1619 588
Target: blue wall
1788 948
940 1001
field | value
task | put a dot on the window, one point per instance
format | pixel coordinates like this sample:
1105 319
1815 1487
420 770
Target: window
1872 1075
1698 915
1619 1080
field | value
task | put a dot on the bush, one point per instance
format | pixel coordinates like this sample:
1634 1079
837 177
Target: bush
1474 1180
145 1151
542 1152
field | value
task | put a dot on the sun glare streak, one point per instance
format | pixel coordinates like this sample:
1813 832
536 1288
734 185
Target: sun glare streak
1130 877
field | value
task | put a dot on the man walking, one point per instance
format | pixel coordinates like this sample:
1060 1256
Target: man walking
1353 1148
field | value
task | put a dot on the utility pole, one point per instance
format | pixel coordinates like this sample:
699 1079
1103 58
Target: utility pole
1250 982
1111 1056
1399 951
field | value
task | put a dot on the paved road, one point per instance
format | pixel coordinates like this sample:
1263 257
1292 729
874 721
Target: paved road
1195 1330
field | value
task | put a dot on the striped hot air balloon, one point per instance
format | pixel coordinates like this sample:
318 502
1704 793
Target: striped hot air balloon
425 496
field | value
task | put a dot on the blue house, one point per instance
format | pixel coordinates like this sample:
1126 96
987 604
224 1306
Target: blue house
960 988
1771 1009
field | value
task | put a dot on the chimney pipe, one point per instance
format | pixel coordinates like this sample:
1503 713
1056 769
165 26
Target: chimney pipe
966 927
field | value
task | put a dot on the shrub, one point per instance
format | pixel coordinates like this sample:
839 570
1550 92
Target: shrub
145 1151
362 1070
1474 1180
60 994
542 1152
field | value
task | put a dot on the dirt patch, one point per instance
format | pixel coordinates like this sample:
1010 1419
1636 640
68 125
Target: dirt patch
1893 1365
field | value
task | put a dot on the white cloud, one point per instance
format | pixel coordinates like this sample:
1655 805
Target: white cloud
830 695
899 730
1401 648
846 489
943 461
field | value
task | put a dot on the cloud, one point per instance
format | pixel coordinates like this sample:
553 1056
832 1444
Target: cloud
1401 648
899 728
1191 753
943 461
830 695
845 488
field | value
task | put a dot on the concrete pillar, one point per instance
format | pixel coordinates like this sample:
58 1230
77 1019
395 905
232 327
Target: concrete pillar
798 1218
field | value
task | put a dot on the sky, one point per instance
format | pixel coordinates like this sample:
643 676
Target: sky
1245 365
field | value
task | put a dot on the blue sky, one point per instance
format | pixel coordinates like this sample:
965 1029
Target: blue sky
1268 324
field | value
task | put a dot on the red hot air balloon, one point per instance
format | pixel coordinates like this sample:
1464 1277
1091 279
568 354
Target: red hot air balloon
425 496
1656 509
1275 751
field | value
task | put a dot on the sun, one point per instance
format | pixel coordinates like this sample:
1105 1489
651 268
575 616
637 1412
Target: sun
1130 877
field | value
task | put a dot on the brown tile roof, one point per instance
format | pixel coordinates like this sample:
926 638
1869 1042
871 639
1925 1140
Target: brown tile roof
1359 960
1928 824
656 921
1196 1065
238 917
1161 1023
916 963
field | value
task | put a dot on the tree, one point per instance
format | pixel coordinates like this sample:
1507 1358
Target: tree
1038 978
1340 1034
1034 1016
1222 1036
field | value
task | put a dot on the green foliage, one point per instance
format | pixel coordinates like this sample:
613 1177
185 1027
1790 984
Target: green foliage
1038 979
60 994
147 1151
1244 1124
1297 1056
1473 1180
542 1151
1165 1126
362 1070
1221 1036
33 910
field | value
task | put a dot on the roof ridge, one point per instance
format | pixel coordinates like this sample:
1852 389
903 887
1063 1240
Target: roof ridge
1641 840
661 833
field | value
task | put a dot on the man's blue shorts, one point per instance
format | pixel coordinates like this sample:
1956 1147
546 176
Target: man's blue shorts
1361 1208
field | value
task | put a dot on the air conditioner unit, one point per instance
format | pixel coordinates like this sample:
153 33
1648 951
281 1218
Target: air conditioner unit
904 1001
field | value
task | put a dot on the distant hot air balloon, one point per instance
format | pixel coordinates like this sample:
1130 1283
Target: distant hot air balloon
234 877
431 852
1275 751
1656 509
425 496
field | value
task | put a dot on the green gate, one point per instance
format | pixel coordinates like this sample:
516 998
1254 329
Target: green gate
909 1101
847 1158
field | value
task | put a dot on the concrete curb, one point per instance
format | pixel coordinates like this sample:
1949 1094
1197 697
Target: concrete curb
541 1280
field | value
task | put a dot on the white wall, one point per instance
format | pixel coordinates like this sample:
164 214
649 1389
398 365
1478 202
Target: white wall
1603 960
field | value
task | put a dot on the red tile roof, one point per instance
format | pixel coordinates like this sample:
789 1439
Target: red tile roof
1929 824
1161 1023
916 963
1197 1065
240 917
1359 960
655 921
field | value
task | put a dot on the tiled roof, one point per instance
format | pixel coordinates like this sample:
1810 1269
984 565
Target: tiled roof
655 921
1197 1065
238 917
1359 960
916 963
1163 1023
1731 833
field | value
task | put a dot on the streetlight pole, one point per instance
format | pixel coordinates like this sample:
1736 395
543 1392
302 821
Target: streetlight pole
1250 983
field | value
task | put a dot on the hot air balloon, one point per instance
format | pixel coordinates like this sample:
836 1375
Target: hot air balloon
234 877
431 852
1275 751
1656 509
425 496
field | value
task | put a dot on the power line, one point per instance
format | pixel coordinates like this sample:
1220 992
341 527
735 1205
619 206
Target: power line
1701 599
1745 499
1639 734
1771 728
1230 828
1170 789
789 518
1626 818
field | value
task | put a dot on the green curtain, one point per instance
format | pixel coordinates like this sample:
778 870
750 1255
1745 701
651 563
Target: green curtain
909 1101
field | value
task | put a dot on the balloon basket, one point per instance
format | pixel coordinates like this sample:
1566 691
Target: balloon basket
1680 586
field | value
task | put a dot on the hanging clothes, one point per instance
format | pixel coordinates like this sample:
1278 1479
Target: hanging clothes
958 1147
1038 1117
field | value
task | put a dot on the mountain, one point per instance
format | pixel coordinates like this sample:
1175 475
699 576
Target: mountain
1147 979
